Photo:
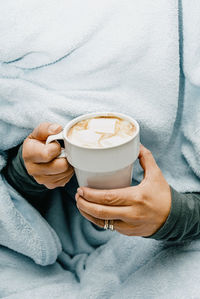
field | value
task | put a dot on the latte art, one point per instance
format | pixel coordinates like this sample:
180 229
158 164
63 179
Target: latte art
101 132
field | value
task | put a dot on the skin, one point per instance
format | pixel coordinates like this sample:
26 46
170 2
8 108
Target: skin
41 161
136 211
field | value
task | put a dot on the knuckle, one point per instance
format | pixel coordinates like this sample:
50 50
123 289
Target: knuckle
43 126
133 214
38 130
140 198
63 184
38 179
50 186
40 127
59 165
30 169
68 179
59 184
110 196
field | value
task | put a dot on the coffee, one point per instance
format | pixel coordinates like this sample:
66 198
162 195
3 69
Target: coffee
101 132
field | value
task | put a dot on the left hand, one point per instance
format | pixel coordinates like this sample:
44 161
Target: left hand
136 211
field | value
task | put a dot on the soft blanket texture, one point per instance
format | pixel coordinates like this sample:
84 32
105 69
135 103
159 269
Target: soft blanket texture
59 59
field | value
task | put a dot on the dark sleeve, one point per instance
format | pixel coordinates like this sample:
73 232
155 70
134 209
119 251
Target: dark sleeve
183 222
17 176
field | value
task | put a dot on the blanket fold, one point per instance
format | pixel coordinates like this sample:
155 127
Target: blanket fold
191 119
25 231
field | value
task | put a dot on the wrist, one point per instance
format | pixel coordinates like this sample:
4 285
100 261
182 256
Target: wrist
164 232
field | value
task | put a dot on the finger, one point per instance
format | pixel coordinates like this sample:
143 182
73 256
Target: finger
113 197
102 211
99 222
68 175
39 152
46 179
52 186
147 161
44 130
54 167
59 183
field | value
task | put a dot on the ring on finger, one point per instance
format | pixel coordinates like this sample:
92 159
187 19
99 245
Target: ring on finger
106 224
111 225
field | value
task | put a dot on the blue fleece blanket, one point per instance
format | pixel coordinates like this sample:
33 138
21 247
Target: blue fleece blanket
59 60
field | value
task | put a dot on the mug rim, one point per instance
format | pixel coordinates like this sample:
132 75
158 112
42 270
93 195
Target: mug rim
96 114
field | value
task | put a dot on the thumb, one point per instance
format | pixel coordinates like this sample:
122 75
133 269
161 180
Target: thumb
44 130
147 161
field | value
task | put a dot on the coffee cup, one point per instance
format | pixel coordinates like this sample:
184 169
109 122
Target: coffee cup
103 166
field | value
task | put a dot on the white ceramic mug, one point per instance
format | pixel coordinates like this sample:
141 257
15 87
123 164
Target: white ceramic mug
101 168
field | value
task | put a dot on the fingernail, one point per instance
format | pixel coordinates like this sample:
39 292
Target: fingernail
53 128
76 196
80 191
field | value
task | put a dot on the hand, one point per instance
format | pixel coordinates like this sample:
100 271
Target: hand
136 211
41 159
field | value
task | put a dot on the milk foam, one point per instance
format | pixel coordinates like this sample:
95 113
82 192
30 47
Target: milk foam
86 138
101 132
102 125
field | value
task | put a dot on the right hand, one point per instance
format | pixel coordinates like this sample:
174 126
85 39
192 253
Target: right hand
41 160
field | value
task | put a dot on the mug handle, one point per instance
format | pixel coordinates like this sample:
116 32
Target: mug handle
56 137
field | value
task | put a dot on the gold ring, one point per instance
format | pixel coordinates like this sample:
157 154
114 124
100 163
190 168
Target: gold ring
111 225
106 224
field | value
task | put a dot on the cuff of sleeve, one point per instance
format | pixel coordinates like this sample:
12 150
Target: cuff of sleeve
25 177
168 228
18 177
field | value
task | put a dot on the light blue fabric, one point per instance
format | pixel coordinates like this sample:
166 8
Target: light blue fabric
59 60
